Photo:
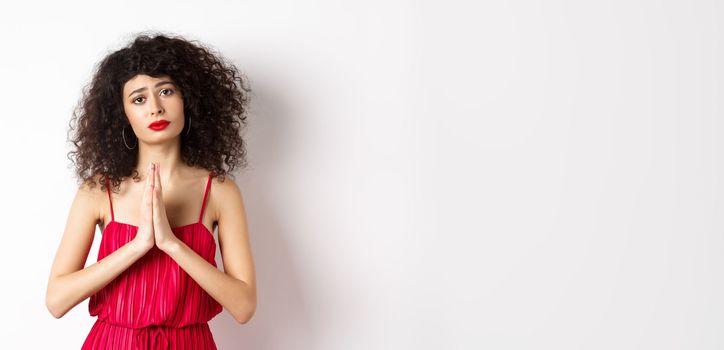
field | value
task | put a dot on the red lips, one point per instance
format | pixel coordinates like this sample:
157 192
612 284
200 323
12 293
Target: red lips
159 125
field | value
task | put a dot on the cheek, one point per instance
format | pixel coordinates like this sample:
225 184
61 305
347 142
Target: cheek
130 109
134 116
178 105
177 110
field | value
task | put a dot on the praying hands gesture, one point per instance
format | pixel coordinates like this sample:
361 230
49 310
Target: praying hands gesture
162 232
154 229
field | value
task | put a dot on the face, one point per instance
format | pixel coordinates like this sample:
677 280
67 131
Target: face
154 107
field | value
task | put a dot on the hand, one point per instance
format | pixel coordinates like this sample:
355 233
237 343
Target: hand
144 236
163 234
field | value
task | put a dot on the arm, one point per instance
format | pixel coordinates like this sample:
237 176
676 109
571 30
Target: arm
69 283
235 287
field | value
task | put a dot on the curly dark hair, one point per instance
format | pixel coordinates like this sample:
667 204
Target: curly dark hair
215 97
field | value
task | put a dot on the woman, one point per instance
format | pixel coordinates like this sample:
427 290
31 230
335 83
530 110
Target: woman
154 130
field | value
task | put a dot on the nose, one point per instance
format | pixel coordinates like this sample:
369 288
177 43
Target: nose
156 107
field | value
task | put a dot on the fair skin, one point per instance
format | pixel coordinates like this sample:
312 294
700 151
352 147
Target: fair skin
169 195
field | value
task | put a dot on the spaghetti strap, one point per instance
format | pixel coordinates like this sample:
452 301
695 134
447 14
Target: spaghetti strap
206 194
108 189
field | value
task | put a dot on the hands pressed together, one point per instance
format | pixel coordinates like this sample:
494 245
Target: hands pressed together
154 229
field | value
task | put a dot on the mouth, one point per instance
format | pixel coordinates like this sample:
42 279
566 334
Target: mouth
159 124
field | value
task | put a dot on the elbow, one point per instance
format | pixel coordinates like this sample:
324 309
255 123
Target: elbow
53 308
245 309
245 318
244 315
56 314
52 303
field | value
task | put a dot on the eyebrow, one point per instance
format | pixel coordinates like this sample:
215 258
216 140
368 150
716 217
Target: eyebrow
157 85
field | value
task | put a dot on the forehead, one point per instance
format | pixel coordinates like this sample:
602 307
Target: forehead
143 80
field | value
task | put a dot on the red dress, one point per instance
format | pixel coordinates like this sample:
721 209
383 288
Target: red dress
154 304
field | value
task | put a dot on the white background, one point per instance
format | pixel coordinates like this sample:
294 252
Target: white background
506 175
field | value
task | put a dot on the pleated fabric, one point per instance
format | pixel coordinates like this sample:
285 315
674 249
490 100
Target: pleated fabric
154 304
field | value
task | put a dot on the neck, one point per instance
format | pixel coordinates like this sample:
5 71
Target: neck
168 155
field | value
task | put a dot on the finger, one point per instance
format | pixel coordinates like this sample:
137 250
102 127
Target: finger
148 190
147 200
145 186
158 176
149 183
156 192
149 172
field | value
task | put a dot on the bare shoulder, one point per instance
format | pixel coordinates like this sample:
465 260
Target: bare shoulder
224 194
91 189
90 195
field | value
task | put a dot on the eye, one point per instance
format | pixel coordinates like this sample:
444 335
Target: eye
169 90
